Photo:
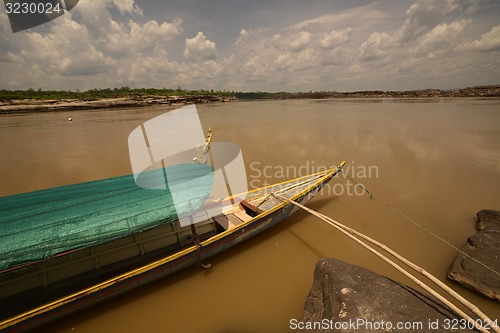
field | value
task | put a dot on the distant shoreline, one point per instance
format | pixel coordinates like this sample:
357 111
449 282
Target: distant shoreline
40 101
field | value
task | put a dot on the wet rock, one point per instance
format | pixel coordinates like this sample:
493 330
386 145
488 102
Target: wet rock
483 246
348 298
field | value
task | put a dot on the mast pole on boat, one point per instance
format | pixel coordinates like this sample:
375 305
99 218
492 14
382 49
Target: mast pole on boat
197 243
201 158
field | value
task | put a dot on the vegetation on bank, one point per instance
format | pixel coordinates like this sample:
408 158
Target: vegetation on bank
106 93
140 92
94 94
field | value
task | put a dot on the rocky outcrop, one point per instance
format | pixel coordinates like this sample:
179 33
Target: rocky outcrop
484 246
14 106
348 298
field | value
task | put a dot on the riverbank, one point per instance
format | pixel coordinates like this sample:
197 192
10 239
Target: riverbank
39 101
38 105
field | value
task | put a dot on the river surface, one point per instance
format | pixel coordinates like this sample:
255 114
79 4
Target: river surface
435 160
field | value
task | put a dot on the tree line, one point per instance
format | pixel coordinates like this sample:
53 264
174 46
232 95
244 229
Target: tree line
107 93
92 94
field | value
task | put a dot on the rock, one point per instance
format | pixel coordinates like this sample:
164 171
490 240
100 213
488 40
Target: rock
484 246
15 106
487 216
348 298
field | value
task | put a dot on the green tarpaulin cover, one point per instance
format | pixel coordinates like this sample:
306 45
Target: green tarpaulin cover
39 224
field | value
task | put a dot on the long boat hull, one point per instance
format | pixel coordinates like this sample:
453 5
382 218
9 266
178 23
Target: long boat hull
44 291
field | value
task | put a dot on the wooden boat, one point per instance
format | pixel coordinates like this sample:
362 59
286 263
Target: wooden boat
40 291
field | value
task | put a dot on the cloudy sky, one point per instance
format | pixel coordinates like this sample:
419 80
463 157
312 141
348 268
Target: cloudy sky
266 45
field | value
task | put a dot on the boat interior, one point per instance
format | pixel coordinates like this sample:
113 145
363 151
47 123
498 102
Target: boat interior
24 287
47 280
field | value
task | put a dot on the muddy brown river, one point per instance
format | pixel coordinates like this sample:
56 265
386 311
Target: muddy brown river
435 160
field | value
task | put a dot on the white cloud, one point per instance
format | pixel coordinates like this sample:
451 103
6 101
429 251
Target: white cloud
335 38
489 41
243 38
199 49
295 61
66 50
127 6
441 37
292 42
342 48
152 32
368 15
375 47
423 16
300 41
254 70
244 33
382 45
337 56
283 61
97 49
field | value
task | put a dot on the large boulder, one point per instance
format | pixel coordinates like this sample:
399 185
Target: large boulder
483 246
348 298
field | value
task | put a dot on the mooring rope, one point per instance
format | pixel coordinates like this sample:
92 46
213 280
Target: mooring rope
353 234
388 205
